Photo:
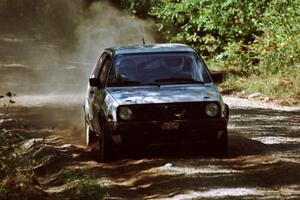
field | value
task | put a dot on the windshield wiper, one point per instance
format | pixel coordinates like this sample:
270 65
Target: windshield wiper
133 83
156 84
125 83
177 80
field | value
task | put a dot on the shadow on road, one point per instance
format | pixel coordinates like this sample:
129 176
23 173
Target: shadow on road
247 130
263 161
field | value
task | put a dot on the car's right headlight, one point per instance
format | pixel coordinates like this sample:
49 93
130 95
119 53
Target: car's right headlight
125 113
212 109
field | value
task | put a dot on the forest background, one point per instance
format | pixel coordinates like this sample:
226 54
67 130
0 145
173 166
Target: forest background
255 43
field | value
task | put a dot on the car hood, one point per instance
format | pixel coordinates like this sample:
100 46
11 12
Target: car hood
164 94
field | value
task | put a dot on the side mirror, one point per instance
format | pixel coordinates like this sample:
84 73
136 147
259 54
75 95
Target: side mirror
95 82
217 77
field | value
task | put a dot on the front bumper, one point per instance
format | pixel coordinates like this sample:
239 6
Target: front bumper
152 132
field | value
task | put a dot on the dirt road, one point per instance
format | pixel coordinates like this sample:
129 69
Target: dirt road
263 162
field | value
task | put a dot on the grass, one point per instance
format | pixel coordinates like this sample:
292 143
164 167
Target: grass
284 87
19 181
86 187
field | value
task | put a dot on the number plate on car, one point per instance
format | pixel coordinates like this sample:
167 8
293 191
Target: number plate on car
169 125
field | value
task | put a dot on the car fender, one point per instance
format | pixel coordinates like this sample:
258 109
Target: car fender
109 107
105 110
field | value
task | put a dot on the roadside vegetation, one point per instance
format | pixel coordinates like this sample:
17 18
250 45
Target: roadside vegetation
256 43
24 160
26 156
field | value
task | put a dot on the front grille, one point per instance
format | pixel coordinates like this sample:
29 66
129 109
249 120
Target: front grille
170 111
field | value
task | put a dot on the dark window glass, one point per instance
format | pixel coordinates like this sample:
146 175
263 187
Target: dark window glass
104 69
162 68
97 68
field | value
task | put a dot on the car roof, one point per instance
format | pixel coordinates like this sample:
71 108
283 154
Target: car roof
152 48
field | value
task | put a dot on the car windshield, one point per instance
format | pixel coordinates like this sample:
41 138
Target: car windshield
157 69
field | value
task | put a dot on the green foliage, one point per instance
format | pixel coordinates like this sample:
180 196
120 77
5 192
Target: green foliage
237 59
244 38
279 47
253 32
209 25
274 51
86 188
139 7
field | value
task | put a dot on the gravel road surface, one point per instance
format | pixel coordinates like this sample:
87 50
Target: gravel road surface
263 160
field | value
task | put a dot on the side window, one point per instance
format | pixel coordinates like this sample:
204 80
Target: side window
203 72
98 65
104 69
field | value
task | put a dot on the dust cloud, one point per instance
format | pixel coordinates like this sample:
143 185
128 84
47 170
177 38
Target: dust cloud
47 51
48 47
106 26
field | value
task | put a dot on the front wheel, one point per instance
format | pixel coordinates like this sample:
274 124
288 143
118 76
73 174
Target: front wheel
221 144
106 147
90 136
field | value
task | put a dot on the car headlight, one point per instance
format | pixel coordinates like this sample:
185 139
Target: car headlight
211 109
125 113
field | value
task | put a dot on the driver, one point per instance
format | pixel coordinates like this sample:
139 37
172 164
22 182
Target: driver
173 64
127 69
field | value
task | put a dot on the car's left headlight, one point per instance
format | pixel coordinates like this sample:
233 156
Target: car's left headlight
125 113
212 109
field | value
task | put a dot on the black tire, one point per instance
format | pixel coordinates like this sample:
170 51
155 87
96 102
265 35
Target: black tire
227 112
90 136
106 147
221 145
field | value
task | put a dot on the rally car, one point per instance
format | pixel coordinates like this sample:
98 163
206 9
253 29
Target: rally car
153 94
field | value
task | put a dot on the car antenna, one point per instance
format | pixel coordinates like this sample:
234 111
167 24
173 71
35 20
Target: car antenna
143 39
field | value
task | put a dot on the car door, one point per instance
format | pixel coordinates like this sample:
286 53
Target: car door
97 94
91 92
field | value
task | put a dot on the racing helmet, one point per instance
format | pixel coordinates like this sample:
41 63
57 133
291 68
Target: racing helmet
173 64
128 68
